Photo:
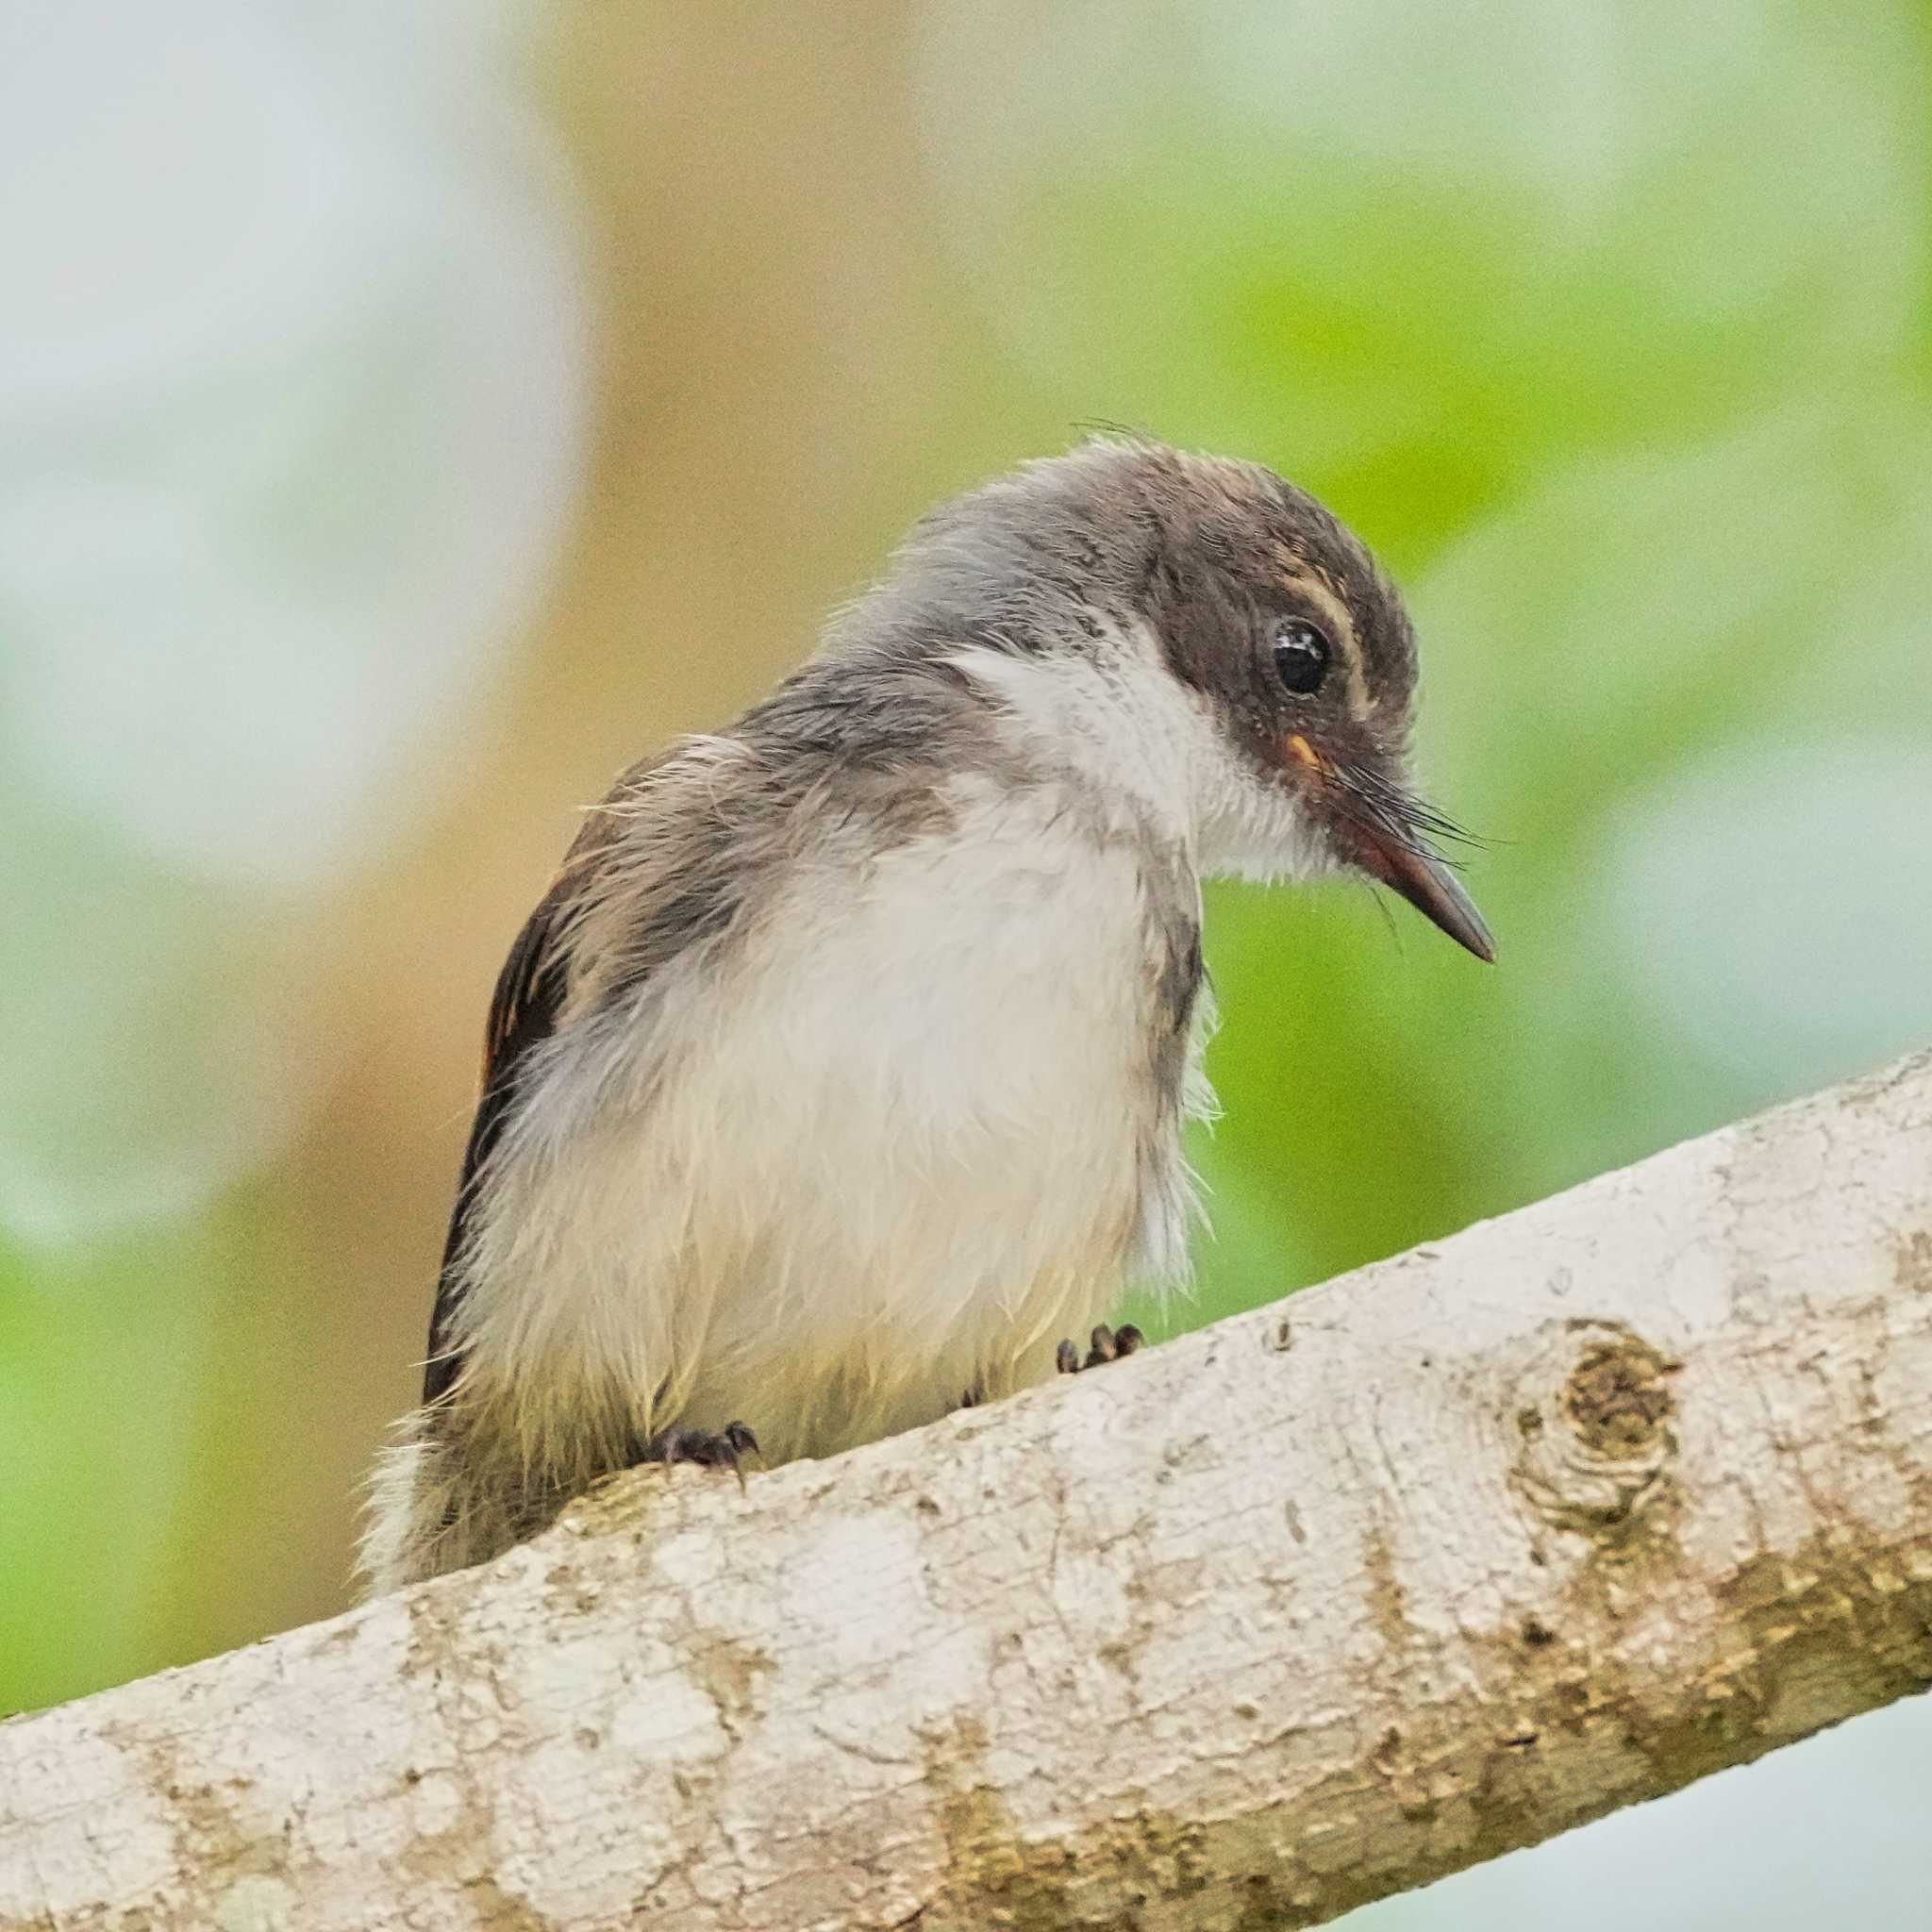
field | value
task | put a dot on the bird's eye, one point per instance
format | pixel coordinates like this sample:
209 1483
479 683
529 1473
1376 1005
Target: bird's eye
1301 657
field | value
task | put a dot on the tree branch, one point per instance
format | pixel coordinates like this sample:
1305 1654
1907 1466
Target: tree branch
1316 1605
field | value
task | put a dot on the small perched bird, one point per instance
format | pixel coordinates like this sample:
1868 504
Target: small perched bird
840 1074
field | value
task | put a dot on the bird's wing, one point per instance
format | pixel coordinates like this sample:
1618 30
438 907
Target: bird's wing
684 807
524 1010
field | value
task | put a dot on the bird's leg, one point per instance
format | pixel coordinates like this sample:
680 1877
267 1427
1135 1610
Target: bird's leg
727 1449
1104 1345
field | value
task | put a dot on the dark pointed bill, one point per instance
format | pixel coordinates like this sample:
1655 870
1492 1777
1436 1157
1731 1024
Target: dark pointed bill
1431 888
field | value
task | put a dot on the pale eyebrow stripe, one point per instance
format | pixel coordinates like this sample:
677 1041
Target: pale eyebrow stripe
1342 628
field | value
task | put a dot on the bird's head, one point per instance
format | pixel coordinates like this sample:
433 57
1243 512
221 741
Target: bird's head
1280 655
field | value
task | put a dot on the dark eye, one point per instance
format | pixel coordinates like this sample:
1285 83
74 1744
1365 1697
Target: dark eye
1301 657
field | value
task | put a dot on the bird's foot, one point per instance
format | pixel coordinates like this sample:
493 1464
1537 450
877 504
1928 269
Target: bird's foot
727 1449
1104 1345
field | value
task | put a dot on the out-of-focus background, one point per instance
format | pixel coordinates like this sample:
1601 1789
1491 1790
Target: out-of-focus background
410 413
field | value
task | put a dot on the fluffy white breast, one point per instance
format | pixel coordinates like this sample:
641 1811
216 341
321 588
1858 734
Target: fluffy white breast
902 1139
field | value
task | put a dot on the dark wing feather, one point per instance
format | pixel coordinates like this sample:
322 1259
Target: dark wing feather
530 995
696 898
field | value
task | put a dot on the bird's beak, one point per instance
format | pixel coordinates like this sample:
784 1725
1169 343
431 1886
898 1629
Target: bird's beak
1403 862
1430 887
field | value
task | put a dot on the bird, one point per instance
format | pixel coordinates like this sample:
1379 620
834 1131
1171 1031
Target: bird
839 1079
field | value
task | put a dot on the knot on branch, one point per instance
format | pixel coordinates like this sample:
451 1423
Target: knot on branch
1593 1413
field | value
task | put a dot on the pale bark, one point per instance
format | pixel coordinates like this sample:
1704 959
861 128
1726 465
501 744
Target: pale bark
1313 1607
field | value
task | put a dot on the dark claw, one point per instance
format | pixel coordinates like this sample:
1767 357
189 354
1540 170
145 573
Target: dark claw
726 1450
1106 1345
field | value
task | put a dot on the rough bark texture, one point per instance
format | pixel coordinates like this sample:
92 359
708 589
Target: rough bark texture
1311 1608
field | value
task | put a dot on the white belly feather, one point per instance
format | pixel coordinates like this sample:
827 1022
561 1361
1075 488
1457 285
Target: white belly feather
906 1140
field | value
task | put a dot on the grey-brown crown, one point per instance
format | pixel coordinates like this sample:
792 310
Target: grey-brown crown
1208 550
